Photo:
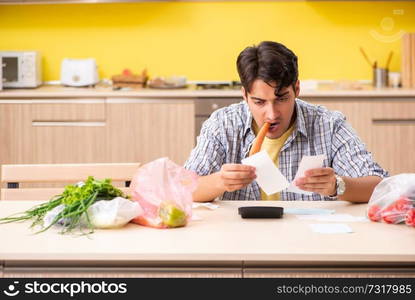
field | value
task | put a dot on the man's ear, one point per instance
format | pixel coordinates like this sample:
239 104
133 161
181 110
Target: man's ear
244 94
297 88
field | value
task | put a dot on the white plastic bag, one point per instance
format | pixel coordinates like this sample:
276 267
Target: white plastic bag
393 200
113 213
102 214
51 215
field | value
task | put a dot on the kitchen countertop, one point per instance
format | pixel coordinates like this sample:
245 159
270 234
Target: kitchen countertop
220 236
191 92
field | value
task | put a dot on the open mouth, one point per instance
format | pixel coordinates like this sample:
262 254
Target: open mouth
273 126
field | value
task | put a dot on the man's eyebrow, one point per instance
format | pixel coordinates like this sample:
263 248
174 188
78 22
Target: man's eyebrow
283 94
257 98
276 98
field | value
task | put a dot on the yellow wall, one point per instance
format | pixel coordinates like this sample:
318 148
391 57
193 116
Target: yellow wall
202 40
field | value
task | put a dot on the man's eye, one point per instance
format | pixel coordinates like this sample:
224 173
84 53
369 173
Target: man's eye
283 99
259 102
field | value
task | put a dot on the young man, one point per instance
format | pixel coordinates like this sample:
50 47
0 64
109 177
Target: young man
269 76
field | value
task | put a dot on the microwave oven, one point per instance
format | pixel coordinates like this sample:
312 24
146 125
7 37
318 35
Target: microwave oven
20 69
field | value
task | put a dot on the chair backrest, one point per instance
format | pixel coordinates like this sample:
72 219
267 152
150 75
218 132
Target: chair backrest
12 176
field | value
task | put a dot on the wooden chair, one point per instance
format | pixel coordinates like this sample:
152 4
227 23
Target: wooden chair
13 176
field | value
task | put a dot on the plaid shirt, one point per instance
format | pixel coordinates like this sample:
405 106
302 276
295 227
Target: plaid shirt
227 136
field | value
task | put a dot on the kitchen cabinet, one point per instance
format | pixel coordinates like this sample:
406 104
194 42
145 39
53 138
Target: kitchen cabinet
393 135
386 126
68 131
52 131
15 132
95 130
141 130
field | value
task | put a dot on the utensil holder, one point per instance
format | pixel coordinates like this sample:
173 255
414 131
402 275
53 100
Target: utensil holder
380 77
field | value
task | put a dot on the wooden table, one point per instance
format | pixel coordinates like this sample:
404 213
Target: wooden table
221 244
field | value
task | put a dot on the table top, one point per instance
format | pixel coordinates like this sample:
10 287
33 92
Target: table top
219 235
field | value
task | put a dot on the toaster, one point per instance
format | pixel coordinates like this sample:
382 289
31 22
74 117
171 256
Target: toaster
79 72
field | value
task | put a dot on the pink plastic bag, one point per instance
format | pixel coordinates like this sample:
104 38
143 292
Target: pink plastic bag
164 191
393 200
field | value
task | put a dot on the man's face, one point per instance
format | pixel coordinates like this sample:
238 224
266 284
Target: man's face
265 106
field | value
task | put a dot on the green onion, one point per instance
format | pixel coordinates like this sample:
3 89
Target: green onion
76 199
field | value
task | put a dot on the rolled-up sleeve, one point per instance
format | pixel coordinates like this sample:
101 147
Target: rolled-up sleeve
351 158
209 154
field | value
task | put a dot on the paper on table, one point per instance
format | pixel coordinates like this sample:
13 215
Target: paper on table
308 211
334 218
207 205
269 177
331 228
307 163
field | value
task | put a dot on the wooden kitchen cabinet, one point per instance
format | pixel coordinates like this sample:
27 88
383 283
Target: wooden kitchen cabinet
15 132
393 135
386 126
141 130
52 131
95 130
69 131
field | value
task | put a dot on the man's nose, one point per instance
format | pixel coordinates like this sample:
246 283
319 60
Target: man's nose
272 113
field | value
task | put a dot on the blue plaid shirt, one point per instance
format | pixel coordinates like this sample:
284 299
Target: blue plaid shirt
227 136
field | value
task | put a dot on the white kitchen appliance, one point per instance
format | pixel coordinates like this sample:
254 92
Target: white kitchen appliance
79 72
21 69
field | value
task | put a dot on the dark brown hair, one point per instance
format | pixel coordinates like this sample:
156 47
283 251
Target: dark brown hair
271 62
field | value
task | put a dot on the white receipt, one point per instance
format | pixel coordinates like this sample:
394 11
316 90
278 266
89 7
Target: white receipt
307 163
331 228
333 218
269 177
308 211
206 205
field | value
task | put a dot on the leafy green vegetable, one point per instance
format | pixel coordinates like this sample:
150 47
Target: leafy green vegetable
76 200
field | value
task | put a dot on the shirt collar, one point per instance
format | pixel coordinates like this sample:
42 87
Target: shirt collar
300 119
248 123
